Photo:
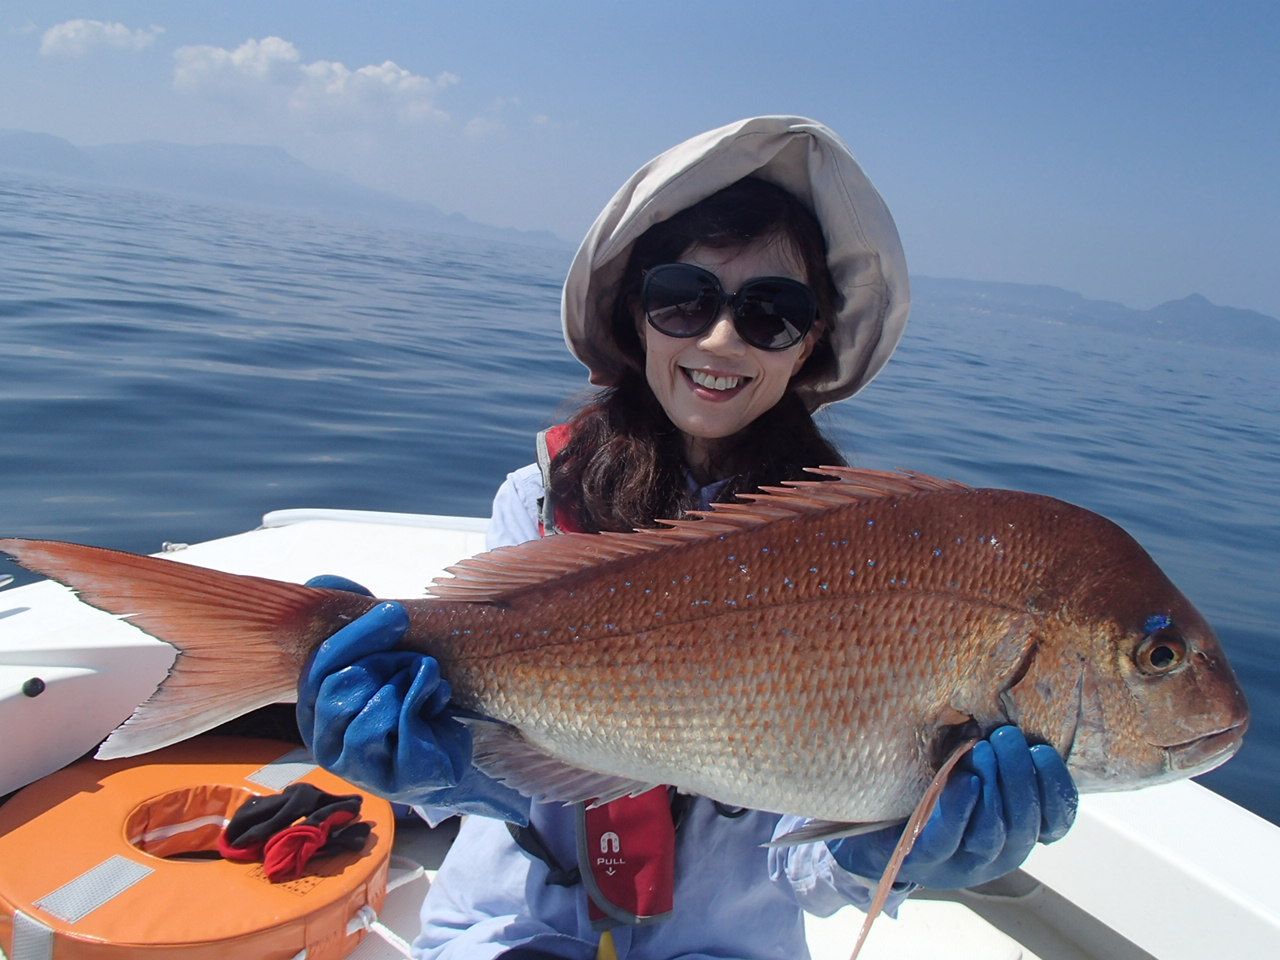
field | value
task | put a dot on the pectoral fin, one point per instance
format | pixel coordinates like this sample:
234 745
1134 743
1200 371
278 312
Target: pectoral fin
978 696
816 830
916 824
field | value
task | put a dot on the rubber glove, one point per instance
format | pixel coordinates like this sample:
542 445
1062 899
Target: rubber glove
380 717
998 802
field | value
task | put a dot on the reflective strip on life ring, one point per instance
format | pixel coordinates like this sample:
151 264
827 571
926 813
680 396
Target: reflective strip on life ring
108 860
94 888
32 940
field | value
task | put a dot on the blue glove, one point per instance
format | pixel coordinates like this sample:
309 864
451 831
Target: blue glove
380 717
1001 799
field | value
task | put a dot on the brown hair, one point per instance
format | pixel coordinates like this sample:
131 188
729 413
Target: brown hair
624 465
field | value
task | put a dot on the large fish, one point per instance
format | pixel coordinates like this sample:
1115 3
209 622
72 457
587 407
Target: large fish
817 650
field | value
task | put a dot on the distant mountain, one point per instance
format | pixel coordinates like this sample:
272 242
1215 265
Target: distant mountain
22 150
263 176
268 176
1193 319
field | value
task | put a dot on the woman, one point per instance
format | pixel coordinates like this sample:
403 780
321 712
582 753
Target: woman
735 284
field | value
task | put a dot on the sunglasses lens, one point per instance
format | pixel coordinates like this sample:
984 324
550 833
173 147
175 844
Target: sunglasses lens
771 313
774 313
680 300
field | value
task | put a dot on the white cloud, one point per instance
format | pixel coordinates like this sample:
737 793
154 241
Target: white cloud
271 73
74 38
254 61
492 122
479 128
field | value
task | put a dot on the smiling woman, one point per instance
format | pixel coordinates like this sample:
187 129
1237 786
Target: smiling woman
730 358
719 371
734 285
713 384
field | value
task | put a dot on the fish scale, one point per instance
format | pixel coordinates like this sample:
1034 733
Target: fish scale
814 650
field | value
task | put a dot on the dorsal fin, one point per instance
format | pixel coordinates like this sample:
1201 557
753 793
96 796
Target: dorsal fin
499 574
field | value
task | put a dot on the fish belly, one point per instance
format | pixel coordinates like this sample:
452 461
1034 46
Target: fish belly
825 708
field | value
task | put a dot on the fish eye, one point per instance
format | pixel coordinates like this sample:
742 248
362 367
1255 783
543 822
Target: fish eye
1161 651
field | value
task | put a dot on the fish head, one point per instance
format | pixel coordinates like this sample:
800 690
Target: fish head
1156 699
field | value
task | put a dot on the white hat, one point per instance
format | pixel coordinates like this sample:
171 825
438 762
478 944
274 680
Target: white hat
810 162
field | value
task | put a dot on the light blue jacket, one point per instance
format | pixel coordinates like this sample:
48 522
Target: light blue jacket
734 898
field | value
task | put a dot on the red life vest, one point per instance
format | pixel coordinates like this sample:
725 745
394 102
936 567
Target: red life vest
626 848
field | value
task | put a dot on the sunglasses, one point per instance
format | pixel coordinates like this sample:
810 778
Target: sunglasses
771 313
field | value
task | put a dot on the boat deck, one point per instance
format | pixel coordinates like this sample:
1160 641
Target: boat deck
1172 872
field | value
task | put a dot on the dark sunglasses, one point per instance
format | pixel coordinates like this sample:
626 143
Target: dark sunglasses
772 313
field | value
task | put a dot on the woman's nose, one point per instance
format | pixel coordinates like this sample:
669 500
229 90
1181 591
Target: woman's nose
722 336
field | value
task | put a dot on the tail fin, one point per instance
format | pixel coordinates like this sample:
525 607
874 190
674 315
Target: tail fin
241 640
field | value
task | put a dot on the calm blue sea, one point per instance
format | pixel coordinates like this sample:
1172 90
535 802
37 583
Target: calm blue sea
171 370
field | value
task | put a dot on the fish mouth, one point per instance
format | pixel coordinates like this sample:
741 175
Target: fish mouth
1203 754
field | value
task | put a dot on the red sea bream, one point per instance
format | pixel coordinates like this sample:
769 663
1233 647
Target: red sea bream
816 650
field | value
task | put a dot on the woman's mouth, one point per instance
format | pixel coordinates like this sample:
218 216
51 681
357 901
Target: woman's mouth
715 386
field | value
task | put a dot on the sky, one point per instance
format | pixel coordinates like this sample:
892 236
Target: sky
1127 151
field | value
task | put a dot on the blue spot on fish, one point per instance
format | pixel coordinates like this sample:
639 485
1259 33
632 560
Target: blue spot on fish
1157 622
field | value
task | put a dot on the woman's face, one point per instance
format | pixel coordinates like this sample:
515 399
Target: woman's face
715 384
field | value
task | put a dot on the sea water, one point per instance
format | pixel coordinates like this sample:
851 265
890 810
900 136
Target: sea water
170 370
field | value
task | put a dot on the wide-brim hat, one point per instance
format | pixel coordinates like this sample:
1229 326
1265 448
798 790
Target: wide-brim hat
864 253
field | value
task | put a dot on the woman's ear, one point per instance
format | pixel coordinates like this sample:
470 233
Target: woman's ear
806 348
633 305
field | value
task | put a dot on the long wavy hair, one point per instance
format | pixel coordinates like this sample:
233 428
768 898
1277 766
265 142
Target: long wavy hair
624 465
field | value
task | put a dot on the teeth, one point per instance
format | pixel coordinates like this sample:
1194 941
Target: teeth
713 383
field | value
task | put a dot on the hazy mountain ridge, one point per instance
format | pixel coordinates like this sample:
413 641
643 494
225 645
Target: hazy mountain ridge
272 177
1192 319
267 176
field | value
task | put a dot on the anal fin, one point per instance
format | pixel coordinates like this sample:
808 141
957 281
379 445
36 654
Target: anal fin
503 753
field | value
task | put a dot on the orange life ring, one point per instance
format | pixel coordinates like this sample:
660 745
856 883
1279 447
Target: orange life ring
102 861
